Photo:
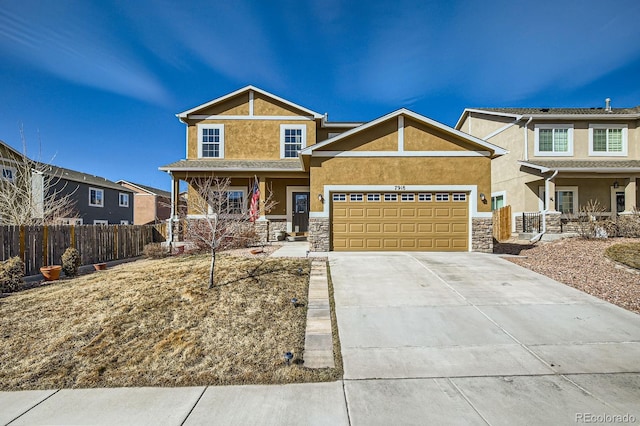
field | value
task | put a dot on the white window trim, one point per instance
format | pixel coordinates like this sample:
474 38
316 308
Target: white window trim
303 143
625 145
245 193
13 171
120 199
100 222
539 153
102 198
124 222
220 127
289 203
574 189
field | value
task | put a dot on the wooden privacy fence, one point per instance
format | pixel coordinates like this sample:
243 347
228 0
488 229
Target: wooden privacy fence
44 245
502 223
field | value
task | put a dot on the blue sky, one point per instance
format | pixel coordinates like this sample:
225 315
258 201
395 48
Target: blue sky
96 84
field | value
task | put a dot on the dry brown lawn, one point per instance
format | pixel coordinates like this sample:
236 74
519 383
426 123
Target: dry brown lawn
155 323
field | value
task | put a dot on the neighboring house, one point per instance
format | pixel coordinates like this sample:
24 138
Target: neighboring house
399 182
98 201
560 159
150 205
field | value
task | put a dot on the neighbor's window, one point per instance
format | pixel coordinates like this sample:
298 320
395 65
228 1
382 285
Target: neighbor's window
96 197
124 200
211 140
554 139
292 140
124 222
607 139
497 202
565 201
100 222
8 173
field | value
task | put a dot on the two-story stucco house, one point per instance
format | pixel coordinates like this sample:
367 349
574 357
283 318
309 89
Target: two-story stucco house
399 182
560 159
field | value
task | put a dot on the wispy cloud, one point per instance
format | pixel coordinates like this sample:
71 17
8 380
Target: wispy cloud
498 50
70 41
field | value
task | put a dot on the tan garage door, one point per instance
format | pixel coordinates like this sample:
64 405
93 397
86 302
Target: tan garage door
429 221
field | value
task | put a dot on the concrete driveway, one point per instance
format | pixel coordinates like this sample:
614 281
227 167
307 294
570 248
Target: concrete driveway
442 338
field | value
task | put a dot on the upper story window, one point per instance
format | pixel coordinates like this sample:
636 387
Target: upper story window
293 137
554 140
123 200
608 139
96 197
8 173
211 140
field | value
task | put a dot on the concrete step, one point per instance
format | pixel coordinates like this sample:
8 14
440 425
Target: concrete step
296 238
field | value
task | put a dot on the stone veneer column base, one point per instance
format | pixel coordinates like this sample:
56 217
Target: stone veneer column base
319 234
482 234
262 229
553 223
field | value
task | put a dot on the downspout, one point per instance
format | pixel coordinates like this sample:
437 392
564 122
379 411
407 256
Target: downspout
546 207
526 139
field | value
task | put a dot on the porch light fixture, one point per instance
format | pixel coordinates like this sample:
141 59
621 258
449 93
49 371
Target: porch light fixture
288 356
321 198
482 197
294 302
616 184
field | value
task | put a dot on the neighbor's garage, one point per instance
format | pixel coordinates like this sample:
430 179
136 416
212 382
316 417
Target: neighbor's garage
426 221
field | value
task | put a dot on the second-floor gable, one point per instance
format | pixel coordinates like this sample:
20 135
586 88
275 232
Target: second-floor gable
569 133
251 124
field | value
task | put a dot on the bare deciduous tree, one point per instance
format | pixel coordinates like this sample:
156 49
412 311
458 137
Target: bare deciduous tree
224 219
31 192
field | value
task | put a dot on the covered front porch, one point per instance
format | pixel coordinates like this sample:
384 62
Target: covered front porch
283 188
570 191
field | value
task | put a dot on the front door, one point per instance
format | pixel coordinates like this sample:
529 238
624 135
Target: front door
619 202
300 204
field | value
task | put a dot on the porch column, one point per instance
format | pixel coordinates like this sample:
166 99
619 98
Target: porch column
630 196
175 197
263 196
550 195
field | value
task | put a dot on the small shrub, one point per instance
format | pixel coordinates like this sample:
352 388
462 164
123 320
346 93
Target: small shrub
155 251
11 273
588 224
71 262
629 225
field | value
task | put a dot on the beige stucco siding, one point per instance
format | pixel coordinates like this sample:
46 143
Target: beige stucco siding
238 105
249 139
383 137
268 106
400 171
421 137
482 125
279 188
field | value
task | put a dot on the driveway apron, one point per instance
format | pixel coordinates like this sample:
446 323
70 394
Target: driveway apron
473 338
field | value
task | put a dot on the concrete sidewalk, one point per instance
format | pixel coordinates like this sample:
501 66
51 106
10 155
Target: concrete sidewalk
295 404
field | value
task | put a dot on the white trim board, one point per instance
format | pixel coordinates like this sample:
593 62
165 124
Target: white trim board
401 153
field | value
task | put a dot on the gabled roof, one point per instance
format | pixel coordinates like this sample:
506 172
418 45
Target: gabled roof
555 113
148 189
248 88
496 150
74 176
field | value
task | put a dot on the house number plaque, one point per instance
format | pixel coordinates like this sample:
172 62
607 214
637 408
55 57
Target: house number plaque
400 187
